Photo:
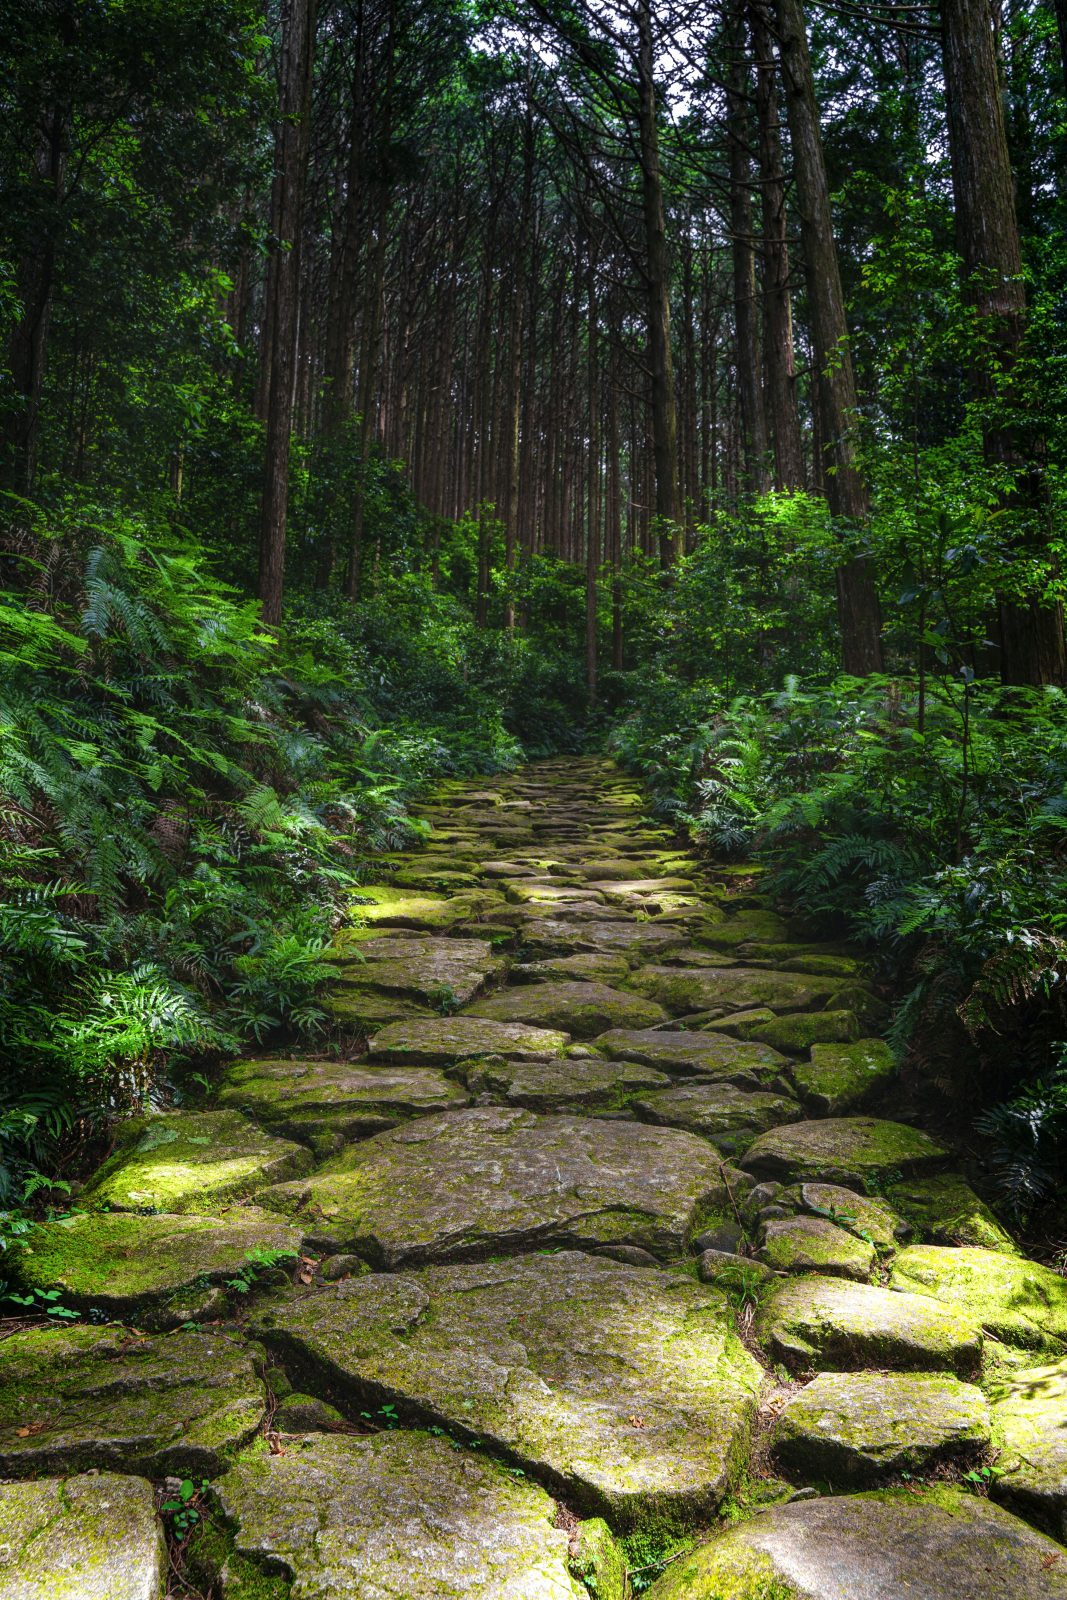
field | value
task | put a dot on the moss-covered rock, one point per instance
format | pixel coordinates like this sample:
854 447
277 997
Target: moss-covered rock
691 1054
796 1032
450 1039
303 1413
934 1545
158 1271
74 1398
866 1217
395 1514
598 1561
843 1149
855 1427
814 1244
1019 1301
540 892
498 1179
843 1077
581 1009
345 1099
590 966
383 906
1030 1422
683 990
945 1209
191 1161
742 928
624 1387
561 1085
817 1321
426 969
86 1538
729 1116
638 941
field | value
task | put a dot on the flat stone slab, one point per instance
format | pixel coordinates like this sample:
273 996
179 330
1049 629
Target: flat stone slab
867 1217
581 1009
938 1545
855 1427
796 1031
820 1321
946 1210
460 1038
814 1244
1030 1418
729 1116
383 906
695 1054
559 1085
843 1077
394 1514
683 989
84 1538
74 1398
496 1179
158 1271
625 1388
191 1161
552 936
425 969
590 965
840 1149
349 1099
1015 1299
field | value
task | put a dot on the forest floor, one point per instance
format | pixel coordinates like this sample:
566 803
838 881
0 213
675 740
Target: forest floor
606 1265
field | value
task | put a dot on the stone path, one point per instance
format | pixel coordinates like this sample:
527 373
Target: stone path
605 1268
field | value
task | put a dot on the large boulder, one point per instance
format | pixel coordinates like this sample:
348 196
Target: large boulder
1017 1300
842 1150
932 1545
72 1398
86 1538
843 1077
497 1178
827 1322
728 1115
857 1427
624 1387
393 1514
191 1161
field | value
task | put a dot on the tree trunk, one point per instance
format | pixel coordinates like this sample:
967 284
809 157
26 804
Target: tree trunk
283 288
779 354
1031 632
664 404
859 613
742 248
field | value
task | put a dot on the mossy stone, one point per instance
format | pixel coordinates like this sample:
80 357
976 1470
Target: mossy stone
500 1179
384 906
450 1039
683 990
590 1083
1019 1301
841 1149
74 1398
827 1322
933 1545
191 1161
856 1427
946 1210
866 1216
796 1032
423 967
814 1244
349 1099
592 966
843 1077
581 1009
1030 1422
551 936
625 1388
742 927
690 1054
398 1514
729 1116
303 1413
93 1537
159 1271
598 1561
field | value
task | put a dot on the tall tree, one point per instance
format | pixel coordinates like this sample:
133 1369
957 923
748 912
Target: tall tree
1031 630
858 608
282 293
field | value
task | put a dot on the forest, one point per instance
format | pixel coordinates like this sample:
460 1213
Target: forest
401 393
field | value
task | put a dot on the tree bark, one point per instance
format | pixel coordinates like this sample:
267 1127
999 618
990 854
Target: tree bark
283 289
779 352
1031 631
754 447
859 613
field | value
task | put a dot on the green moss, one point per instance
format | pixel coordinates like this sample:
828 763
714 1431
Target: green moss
798 1031
843 1077
946 1210
597 1560
1017 1300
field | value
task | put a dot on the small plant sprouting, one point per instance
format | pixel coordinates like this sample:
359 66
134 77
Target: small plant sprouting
45 1302
258 1262
183 1508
